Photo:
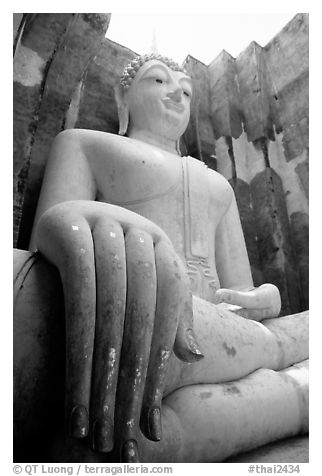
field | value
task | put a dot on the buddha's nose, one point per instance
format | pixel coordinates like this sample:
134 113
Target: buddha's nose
175 94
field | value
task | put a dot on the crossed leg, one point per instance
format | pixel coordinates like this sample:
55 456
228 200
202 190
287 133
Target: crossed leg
211 422
236 398
234 346
250 389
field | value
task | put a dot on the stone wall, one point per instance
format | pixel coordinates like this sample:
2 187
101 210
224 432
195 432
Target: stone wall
51 56
249 122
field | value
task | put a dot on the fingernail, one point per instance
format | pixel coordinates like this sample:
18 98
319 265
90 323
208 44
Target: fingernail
193 346
129 452
102 436
154 424
79 422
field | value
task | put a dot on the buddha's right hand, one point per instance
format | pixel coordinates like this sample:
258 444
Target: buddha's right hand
127 304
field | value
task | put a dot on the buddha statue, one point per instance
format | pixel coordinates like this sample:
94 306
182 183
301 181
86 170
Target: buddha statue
164 338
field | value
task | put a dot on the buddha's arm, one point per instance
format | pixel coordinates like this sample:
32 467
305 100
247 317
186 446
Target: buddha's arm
235 274
126 294
67 176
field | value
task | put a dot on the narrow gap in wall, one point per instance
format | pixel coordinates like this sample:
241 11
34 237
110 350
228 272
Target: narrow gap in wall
261 144
229 142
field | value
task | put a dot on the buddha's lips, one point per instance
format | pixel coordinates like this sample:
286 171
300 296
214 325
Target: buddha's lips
176 106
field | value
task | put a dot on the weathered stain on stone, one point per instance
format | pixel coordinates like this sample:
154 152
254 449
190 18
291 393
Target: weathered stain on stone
274 237
28 67
231 351
299 223
292 141
231 390
243 198
205 395
302 170
97 106
97 20
226 113
198 139
253 82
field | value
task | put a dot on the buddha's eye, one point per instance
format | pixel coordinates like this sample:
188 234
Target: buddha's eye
158 80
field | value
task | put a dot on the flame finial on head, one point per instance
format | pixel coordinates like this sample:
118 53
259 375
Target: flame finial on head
133 67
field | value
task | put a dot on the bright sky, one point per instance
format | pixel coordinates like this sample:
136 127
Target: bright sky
203 36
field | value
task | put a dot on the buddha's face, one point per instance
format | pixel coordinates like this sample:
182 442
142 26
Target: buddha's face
159 100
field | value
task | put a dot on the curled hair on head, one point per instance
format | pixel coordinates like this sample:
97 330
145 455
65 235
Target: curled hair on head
133 67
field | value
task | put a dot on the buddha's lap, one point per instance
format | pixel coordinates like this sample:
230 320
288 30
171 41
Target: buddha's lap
234 346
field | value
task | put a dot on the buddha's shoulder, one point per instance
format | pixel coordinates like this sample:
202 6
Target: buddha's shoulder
118 150
217 183
92 138
98 139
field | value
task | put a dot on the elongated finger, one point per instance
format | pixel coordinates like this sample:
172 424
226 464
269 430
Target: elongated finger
64 237
110 311
170 294
78 277
186 346
138 328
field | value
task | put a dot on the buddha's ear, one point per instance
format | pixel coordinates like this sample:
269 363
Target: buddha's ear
122 109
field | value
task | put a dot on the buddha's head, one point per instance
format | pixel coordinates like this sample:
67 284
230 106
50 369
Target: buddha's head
154 95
